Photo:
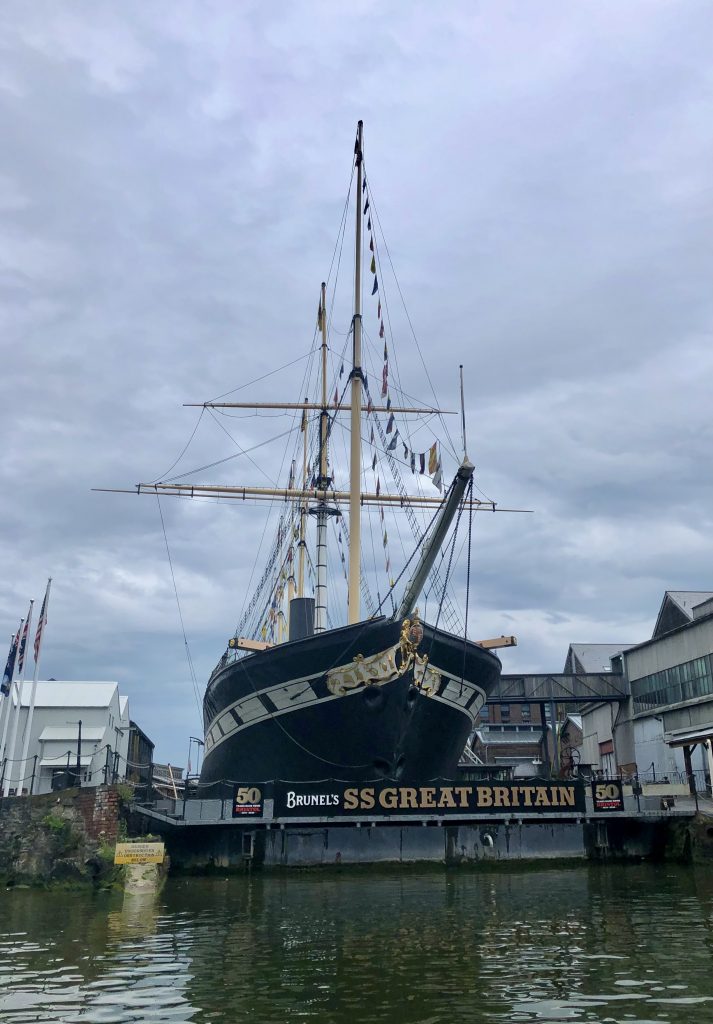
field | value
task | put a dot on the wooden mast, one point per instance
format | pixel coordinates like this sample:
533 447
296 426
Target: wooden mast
303 514
320 590
354 612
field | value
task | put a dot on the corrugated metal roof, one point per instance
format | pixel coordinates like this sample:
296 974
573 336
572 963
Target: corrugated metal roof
688 599
684 737
58 733
59 693
597 657
493 737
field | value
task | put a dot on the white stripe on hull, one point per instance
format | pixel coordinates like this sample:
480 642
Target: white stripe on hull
299 694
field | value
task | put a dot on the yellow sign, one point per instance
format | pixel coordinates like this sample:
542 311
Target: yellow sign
139 853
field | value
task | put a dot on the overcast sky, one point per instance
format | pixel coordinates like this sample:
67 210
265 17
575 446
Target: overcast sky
171 182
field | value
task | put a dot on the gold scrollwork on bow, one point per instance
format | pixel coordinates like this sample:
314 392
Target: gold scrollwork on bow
425 677
383 667
378 669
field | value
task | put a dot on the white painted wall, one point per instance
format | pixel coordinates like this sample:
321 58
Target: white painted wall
59 706
596 729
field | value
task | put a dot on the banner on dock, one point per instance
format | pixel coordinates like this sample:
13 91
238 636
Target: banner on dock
440 798
608 796
248 802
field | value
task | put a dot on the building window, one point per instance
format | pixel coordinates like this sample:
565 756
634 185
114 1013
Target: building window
673 685
504 712
484 713
525 712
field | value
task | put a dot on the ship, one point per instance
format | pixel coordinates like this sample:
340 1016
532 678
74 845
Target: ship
297 696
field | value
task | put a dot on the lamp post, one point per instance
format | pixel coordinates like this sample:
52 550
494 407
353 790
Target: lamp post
79 753
78 770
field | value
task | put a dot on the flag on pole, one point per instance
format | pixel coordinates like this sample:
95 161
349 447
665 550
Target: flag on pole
433 458
10 664
43 620
23 644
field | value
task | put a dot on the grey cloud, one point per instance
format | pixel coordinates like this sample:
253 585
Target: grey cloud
171 184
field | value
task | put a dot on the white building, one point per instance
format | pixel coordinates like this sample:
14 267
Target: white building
666 728
60 706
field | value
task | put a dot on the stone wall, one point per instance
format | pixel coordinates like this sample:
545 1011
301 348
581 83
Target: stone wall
59 837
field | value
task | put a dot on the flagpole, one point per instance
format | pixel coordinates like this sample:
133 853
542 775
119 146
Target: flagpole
33 692
18 710
7 701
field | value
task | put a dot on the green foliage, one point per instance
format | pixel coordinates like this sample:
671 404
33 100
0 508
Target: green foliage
55 823
126 792
106 853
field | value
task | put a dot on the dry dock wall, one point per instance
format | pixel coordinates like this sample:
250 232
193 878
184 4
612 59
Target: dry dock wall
332 846
59 837
413 844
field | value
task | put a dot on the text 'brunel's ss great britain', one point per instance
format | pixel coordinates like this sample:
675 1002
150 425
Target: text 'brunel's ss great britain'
441 798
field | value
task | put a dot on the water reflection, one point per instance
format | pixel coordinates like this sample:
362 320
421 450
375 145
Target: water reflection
588 944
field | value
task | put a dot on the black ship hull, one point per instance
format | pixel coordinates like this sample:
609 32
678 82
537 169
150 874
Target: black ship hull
359 703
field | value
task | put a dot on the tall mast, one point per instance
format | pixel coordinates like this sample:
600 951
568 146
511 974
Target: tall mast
355 451
303 514
323 512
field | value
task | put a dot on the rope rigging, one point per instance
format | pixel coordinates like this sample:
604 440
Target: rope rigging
262 614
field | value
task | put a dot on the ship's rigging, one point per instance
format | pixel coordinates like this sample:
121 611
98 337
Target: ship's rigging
322 446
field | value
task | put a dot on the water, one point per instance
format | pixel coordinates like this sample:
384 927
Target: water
627 944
